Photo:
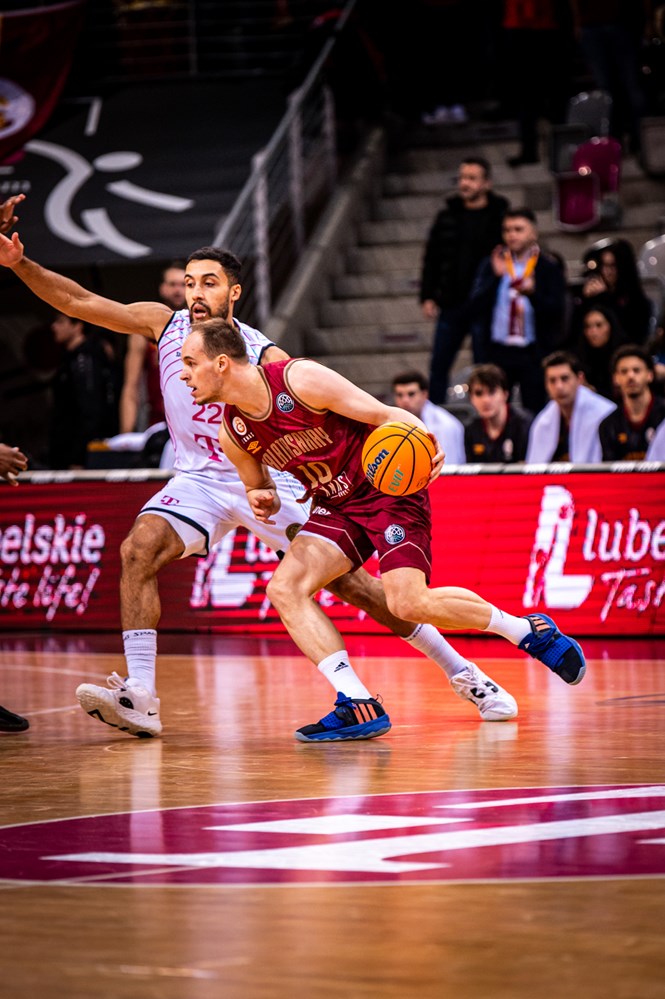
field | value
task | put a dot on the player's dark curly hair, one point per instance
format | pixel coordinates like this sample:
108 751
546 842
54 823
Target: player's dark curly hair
227 260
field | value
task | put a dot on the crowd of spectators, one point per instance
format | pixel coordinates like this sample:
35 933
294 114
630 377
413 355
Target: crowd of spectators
542 345
485 273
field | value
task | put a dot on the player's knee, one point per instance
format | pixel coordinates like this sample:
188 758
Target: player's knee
404 604
132 552
285 590
142 548
277 592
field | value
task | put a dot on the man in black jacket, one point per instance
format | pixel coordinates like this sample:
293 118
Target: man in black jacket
84 403
463 233
519 298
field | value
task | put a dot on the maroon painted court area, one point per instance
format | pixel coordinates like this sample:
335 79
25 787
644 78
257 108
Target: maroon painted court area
478 835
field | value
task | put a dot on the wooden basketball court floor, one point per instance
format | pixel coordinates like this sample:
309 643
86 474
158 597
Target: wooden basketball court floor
449 858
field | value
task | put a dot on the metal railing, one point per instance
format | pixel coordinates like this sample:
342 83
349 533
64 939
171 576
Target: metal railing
291 182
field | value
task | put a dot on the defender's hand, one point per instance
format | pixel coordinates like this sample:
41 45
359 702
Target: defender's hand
11 250
12 461
7 209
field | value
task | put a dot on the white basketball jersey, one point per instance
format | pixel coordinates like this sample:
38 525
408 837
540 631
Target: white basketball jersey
194 428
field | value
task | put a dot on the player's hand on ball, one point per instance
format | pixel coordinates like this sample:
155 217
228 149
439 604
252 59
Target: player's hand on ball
437 460
397 458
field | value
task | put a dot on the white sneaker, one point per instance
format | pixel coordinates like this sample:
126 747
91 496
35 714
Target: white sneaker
125 704
440 116
493 702
457 114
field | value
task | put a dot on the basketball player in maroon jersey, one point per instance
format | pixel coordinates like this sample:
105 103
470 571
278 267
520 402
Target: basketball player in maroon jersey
211 497
300 416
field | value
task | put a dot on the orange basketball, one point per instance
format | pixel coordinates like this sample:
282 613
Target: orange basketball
397 458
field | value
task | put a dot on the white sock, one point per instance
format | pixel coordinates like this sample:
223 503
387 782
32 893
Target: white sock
508 626
341 675
141 654
432 644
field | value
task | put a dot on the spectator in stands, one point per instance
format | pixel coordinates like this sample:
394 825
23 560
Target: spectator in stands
612 280
432 46
410 391
519 297
499 432
537 43
463 233
601 337
354 71
84 403
611 33
567 429
626 433
141 376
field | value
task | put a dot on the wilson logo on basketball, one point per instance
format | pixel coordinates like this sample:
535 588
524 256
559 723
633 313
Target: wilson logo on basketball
510 834
397 458
371 469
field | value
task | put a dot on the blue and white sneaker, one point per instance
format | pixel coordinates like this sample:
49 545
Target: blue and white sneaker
352 718
563 655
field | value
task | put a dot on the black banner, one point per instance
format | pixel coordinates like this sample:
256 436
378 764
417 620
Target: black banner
147 173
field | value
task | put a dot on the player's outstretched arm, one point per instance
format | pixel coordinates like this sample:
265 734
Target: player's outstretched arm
261 490
70 298
322 388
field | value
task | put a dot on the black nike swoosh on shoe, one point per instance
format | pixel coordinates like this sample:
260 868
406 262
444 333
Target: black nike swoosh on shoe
151 713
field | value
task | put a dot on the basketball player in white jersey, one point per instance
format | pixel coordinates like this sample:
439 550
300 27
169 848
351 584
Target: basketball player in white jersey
205 499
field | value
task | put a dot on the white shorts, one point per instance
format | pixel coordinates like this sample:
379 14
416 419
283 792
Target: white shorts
202 510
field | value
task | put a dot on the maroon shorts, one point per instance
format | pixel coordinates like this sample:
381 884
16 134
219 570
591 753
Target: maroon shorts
398 528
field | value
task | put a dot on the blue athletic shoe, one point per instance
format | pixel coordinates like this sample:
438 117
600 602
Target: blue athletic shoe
352 718
561 654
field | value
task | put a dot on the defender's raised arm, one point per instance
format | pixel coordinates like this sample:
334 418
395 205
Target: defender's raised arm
70 298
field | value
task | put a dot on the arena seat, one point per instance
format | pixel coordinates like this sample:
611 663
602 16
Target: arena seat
576 201
601 155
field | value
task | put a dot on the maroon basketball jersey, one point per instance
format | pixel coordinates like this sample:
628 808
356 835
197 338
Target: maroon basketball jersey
320 448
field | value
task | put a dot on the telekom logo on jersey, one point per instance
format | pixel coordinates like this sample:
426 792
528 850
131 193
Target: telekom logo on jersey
620 554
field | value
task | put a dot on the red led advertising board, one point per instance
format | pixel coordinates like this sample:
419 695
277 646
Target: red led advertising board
587 547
